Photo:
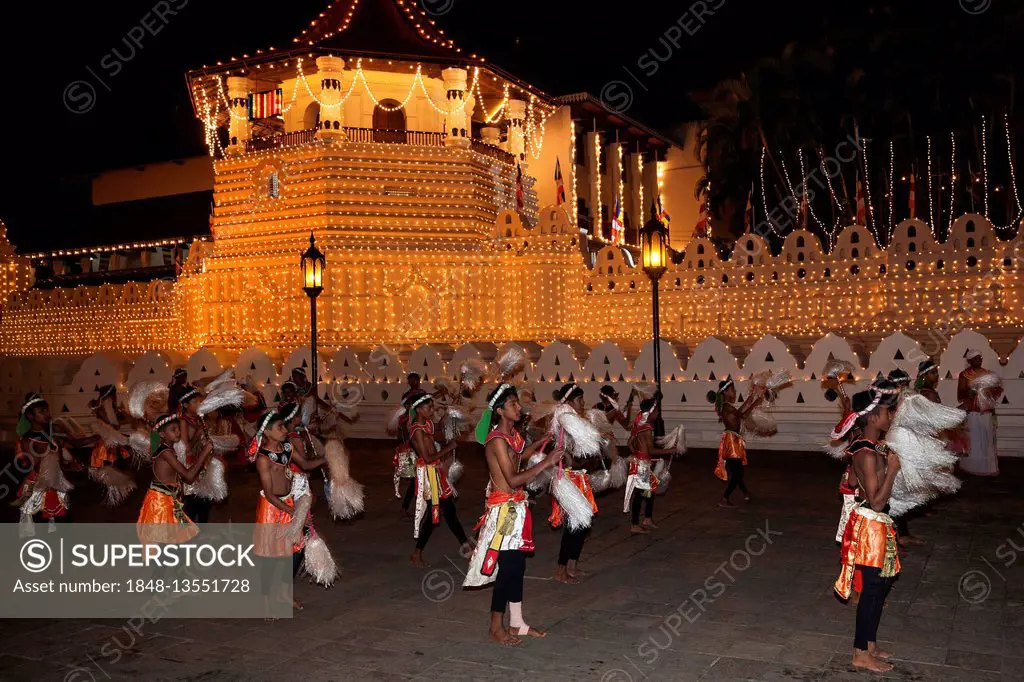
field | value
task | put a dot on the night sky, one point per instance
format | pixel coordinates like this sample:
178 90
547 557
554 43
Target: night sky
564 46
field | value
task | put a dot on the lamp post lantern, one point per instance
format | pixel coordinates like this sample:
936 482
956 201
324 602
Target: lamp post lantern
313 263
654 256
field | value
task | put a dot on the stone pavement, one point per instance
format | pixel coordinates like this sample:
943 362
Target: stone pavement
714 594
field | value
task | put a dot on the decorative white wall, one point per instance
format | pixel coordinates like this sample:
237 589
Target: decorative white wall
374 381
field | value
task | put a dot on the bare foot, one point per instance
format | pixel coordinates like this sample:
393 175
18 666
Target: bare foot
878 653
296 604
638 530
865 661
504 637
726 504
578 573
746 498
416 561
648 523
562 576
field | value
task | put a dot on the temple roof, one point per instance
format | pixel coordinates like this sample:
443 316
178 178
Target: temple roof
399 28
585 105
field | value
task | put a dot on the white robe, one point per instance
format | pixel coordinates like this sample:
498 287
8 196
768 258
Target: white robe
982 460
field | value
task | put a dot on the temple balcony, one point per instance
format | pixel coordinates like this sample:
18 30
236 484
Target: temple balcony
372 135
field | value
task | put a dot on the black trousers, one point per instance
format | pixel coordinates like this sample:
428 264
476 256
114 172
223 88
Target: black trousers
874 590
638 499
197 509
572 544
508 586
409 492
734 468
451 517
273 569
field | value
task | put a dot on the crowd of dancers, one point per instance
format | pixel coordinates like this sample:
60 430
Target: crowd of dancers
899 443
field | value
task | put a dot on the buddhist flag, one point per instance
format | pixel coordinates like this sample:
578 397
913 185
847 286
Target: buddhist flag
748 215
265 104
862 213
663 215
520 202
618 229
559 185
913 197
700 230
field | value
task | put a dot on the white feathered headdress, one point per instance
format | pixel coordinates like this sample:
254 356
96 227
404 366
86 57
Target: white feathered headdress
578 436
926 463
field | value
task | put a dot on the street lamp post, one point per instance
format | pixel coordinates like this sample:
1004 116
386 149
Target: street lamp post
654 245
313 263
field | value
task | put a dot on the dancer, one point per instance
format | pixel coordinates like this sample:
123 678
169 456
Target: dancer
414 386
195 436
567 570
277 535
179 385
434 495
978 389
404 459
927 380
900 378
107 414
642 483
609 404
869 539
506 528
111 447
289 393
901 381
43 494
317 561
323 424
732 449
162 518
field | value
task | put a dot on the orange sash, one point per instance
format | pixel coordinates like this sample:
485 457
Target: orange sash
731 446
582 482
162 520
868 540
270 523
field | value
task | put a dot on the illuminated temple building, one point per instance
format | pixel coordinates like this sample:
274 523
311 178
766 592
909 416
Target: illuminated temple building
430 179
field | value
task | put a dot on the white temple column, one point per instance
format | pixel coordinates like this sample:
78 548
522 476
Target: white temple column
636 196
516 113
239 127
650 187
613 175
332 118
457 127
593 149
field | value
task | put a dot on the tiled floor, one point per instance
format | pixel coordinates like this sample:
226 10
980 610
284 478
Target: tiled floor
714 594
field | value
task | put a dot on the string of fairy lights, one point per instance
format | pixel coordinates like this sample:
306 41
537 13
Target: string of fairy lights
883 226
221 297
537 112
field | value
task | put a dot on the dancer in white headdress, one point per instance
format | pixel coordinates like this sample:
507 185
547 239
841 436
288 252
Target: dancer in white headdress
643 481
506 528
